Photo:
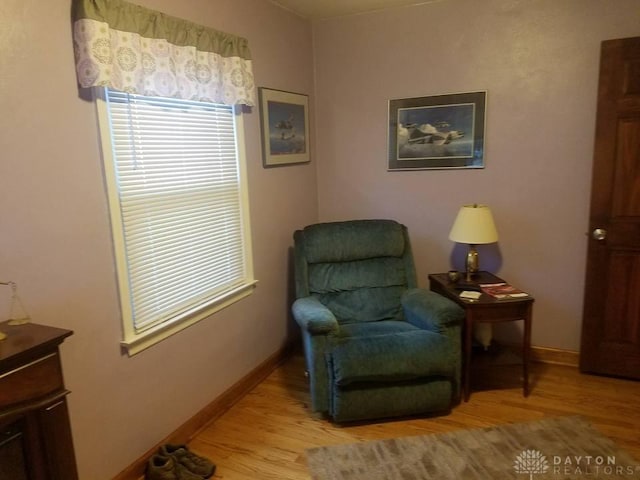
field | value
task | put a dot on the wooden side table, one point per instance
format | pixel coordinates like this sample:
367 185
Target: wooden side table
487 309
35 434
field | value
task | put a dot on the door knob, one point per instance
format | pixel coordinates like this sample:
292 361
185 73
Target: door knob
599 234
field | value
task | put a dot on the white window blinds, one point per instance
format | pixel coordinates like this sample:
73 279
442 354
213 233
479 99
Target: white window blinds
177 216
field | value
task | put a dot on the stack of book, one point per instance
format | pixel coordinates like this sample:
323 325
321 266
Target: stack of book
502 291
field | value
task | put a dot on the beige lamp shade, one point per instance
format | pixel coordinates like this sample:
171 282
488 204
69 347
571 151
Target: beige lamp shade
474 225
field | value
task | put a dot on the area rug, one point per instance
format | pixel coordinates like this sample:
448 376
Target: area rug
554 448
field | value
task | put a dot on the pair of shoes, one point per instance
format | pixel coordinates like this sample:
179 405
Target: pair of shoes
176 462
161 467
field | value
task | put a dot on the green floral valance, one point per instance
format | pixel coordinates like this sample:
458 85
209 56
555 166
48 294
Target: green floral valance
137 50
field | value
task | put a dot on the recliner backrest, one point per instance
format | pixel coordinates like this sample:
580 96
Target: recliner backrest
358 269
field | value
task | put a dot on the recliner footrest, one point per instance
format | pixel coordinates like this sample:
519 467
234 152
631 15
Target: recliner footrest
395 357
391 400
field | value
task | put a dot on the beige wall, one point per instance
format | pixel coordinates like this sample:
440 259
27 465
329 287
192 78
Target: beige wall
55 240
538 61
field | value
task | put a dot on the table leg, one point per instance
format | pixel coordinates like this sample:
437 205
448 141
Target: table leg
526 349
466 366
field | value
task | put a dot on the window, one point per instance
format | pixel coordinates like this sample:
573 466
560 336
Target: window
179 211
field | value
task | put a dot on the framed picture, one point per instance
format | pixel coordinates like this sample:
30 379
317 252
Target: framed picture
441 131
284 120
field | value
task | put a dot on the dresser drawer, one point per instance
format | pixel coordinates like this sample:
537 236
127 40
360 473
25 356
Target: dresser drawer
32 380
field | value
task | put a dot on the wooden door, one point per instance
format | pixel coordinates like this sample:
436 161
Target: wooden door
611 316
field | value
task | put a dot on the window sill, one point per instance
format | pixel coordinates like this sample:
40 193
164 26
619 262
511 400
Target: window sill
135 343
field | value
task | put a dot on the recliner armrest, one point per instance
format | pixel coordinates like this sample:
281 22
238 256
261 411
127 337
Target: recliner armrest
431 311
313 316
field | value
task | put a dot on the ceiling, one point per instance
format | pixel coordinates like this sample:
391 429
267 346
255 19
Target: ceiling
316 9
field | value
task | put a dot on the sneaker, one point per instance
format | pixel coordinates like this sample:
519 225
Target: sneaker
192 462
161 467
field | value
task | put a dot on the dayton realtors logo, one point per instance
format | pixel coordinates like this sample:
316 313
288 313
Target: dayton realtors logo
533 462
591 465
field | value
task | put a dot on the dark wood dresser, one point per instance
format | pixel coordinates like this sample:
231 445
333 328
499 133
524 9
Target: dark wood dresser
35 435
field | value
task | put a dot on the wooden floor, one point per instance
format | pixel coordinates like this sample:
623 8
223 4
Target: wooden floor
264 436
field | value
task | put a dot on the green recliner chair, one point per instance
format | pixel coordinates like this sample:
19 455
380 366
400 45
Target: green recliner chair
375 345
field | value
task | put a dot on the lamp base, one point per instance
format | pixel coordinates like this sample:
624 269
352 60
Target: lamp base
472 262
19 321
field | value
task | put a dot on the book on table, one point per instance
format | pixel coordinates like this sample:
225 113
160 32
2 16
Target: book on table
502 290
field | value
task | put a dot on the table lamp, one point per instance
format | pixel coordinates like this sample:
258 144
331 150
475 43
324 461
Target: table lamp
474 225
